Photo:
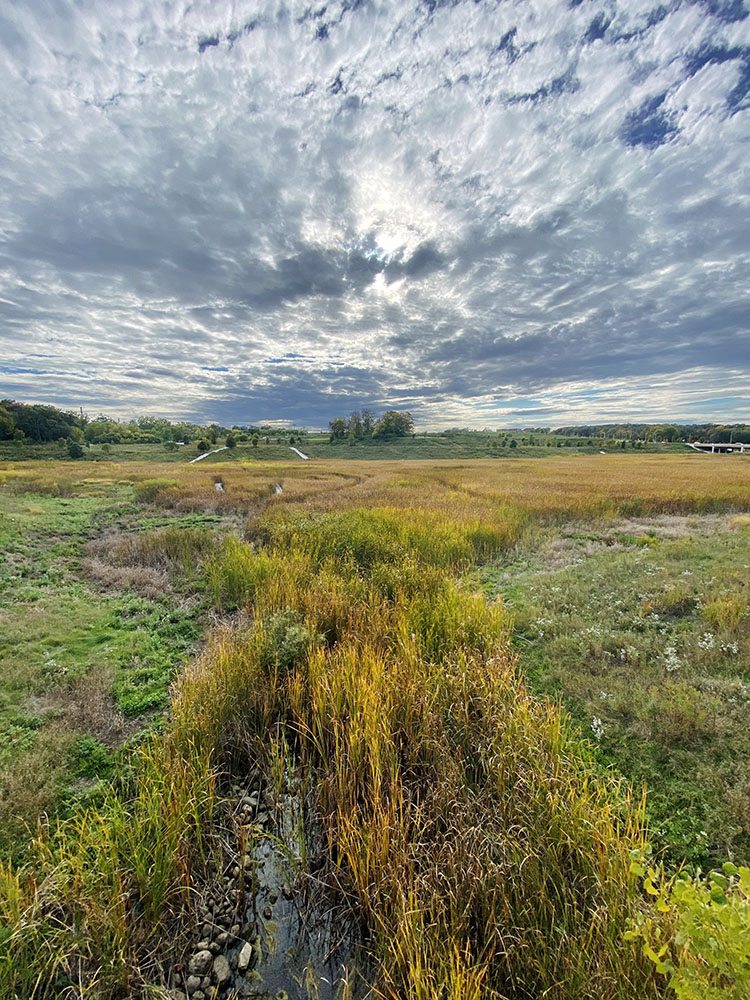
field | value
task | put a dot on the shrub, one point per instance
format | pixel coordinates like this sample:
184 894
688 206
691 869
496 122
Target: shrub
153 490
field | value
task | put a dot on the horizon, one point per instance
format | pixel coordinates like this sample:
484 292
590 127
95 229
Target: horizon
257 212
287 425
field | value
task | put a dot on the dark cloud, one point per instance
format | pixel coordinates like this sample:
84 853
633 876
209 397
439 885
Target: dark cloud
248 211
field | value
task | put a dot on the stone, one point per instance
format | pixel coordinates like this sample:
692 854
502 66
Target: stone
192 984
245 957
222 972
200 963
215 948
207 931
222 938
176 995
199 995
234 930
203 945
267 912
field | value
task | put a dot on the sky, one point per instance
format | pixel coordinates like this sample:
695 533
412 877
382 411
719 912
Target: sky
528 212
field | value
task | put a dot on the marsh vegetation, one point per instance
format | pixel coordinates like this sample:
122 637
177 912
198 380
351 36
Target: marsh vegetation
400 656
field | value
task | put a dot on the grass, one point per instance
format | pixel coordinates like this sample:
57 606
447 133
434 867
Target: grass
79 661
465 824
642 631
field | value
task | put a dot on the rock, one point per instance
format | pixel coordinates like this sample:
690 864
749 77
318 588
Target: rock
192 984
207 931
200 963
176 995
272 898
215 948
222 972
245 957
234 930
199 995
222 938
203 945
267 912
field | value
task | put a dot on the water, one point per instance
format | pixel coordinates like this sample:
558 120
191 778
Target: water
307 951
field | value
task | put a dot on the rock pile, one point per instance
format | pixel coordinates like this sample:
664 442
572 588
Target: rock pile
228 942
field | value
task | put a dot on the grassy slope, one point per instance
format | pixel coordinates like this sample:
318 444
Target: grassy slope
456 445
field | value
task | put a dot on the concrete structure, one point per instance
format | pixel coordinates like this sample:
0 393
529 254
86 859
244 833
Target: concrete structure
722 446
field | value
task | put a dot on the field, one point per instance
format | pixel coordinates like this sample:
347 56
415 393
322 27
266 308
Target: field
406 706
448 445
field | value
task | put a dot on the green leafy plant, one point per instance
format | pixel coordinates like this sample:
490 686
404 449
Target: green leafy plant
708 956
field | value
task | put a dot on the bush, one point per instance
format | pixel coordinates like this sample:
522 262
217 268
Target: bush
74 449
151 489
286 641
708 957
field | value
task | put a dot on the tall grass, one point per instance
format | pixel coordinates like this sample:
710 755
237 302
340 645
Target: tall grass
465 826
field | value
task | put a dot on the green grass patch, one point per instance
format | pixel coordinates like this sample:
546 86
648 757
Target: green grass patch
649 649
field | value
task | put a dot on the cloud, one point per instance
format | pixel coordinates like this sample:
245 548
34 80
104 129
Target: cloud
252 210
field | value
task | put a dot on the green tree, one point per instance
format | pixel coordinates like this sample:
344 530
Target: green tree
231 441
75 450
368 423
394 424
338 429
354 427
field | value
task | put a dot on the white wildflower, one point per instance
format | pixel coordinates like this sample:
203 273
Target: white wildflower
671 659
707 641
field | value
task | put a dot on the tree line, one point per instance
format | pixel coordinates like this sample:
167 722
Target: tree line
661 432
358 426
37 423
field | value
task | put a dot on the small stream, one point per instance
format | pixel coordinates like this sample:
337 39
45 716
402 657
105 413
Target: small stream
267 932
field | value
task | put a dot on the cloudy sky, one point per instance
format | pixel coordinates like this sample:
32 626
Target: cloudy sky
489 213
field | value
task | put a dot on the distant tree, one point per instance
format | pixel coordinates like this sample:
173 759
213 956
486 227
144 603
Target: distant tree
513 443
168 446
394 424
354 428
255 440
75 450
231 441
338 429
292 441
202 446
368 423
